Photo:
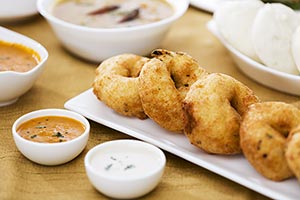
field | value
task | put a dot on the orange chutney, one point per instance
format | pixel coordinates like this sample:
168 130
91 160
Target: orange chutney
17 57
51 129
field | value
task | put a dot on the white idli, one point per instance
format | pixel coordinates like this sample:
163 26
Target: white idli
296 47
234 21
272 33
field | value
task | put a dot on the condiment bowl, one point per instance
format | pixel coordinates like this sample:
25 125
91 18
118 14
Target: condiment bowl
16 10
14 84
125 169
98 44
51 153
267 76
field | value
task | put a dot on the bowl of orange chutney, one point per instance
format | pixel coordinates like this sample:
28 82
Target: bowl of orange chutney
51 136
21 62
98 29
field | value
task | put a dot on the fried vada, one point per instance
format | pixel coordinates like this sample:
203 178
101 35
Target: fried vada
214 107
163 83
263 136
115 84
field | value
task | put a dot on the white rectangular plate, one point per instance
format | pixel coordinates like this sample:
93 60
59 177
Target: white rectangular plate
235 168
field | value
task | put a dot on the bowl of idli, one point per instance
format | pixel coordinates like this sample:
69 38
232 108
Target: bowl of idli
99 29
263 40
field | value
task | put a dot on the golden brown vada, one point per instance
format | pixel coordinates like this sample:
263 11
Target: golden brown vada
163 83
116 84
263 135
292 153
213 112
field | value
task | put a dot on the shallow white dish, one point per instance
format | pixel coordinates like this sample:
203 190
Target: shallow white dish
51 153
211 5
266 76
235 168
16 10
208 5
14 84
125 169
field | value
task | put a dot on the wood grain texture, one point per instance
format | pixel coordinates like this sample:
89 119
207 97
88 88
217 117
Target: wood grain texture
65 76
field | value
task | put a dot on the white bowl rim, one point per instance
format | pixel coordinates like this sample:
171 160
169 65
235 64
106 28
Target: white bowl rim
212 27
38 45
158 151
177 14
43 112
21 12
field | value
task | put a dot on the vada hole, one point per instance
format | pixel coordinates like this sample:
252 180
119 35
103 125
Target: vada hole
173 78
177 83
282 129
234 104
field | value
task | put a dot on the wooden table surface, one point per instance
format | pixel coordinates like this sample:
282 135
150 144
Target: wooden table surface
66 76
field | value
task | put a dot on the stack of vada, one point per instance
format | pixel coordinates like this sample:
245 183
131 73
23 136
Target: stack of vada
216 112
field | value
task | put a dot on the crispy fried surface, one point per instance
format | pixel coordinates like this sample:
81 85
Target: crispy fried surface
292 154
263 134
213 109
116 84
163 83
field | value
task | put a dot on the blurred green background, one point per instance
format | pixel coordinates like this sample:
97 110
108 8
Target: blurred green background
295 4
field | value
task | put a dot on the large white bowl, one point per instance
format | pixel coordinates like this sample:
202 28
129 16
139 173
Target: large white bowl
14 84
125 169
98 44
51 153
16 10
267 76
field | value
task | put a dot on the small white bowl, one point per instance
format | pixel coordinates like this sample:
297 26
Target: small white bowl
125 169
98 44
14 84
16 10
267 76
51 153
